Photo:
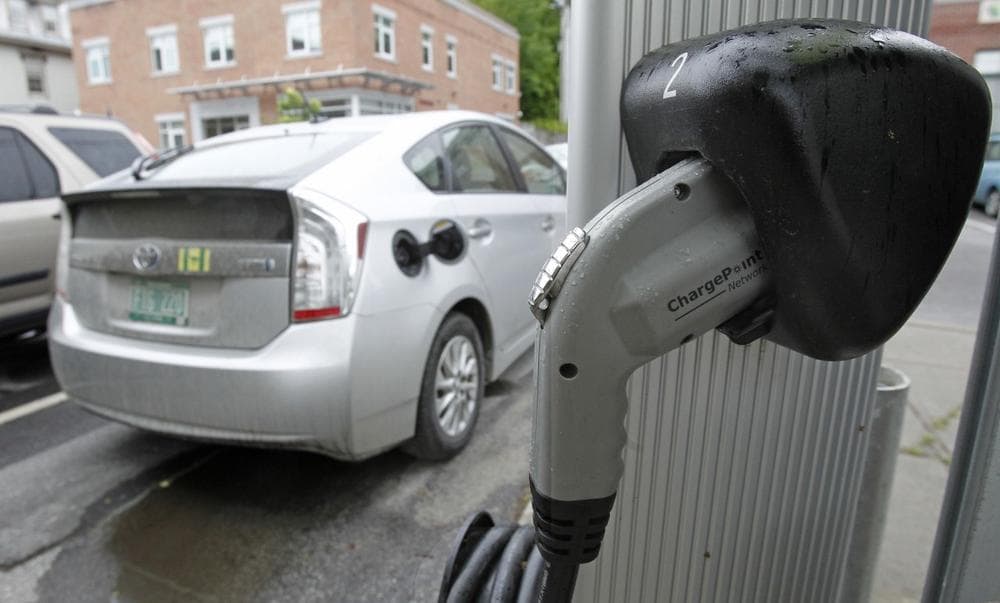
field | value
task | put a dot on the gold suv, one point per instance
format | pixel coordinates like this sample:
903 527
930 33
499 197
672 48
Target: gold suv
42 156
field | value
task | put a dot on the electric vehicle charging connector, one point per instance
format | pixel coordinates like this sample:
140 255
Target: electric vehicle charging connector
666 262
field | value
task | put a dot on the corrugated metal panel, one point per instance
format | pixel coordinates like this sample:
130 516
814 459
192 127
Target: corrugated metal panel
741 477
743 463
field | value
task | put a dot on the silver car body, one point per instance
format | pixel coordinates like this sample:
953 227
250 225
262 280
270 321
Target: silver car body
242 371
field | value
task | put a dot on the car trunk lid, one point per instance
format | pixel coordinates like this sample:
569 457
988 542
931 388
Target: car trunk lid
198 266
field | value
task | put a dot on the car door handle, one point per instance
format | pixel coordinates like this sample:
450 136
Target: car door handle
548 223
480 229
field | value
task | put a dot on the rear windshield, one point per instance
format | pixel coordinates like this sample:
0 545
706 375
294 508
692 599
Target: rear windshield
104 151
263 157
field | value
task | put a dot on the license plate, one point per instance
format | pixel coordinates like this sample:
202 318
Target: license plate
161 302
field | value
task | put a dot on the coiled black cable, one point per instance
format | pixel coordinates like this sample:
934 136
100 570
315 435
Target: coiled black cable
500 564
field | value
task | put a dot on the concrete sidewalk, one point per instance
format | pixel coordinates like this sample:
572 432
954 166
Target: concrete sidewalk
936 358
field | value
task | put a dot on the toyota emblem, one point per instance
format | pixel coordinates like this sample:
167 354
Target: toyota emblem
146 257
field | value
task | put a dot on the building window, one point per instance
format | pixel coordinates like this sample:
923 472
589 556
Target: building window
989 11
98 56
36 83
511 80
452 56
17 15
34 69
383 106
171 129
50 20
987 61
427 48
214 126
163 49
497 73
385 33
302 31
335 107
219 41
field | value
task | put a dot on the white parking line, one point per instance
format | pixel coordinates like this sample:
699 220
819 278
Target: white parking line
980 226
32 407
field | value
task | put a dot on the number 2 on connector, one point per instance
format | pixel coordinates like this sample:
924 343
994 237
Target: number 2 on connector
667 92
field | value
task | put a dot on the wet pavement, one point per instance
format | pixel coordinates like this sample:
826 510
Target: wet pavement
109 513
95 511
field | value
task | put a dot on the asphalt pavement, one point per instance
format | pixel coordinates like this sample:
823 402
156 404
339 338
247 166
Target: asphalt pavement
95 511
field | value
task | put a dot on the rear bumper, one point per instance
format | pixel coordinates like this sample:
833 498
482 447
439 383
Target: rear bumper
295 391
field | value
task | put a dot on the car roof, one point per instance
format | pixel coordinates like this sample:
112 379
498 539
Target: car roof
394 135
62 120
401 126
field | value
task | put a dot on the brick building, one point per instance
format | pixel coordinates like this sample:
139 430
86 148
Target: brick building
182 70
971 29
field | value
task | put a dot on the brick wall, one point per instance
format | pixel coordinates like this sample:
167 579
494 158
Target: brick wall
135 95
955 26
472 89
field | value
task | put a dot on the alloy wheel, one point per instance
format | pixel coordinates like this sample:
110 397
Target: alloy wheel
456 385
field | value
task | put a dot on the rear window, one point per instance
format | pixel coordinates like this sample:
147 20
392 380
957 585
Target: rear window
104 151
263 157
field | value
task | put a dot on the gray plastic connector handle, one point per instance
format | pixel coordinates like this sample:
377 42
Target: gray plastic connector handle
664 263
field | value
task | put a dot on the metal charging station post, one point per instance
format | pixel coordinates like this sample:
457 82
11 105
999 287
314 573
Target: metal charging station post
743 464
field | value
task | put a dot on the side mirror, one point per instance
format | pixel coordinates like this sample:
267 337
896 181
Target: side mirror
856 148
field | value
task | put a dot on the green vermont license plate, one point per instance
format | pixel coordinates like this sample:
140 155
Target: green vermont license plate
162 302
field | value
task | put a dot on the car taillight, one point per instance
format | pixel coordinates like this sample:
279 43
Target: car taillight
62 257
329 247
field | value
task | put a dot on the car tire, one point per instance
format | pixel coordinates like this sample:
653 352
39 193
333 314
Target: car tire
992 207
451 391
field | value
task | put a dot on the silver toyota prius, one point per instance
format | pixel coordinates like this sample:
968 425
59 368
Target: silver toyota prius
343 286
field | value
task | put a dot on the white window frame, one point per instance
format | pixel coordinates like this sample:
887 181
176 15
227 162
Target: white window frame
427 43
498 63
199 111
50 14
34 65
163 38
368 98
381 13
989 11
164 125
510 77
451 56
223 24
305 11
987 61
91 48
21 11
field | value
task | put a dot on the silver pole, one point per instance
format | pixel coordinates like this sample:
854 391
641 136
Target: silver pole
595 137
964 561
